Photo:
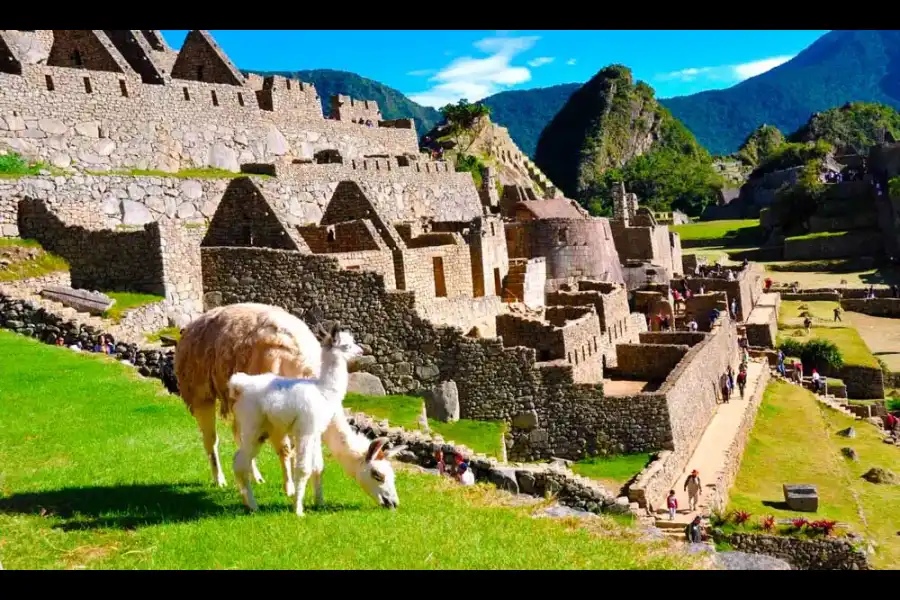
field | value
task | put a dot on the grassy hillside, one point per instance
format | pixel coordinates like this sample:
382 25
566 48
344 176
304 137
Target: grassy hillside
393 104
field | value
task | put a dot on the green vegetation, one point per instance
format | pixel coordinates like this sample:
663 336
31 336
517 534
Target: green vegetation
853 349
43 263
392 103
463 123
794 440
200 173
601 136
832 265
126 301
792 313
613 471
171 332
854 127
893 404
714 231
115 478
760 145
818 235
405 411
819 354
793 154
13 166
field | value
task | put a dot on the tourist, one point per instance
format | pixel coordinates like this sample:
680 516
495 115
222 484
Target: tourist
664 323
702 290
713 317
798 372
693 487
730 380
837 313
466 477
439 458
742 381
895 291
807 323
779 364
693 532
102 346
871 294
723 384
733 307
60 341
672 504
816 381
768 283
688 293
692 326
730 275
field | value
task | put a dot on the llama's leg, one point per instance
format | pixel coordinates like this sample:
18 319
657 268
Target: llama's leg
206 419
283 448
318 467
243 461
235 428
302 470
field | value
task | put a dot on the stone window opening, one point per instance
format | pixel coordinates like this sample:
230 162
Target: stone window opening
493 233
215 99
569 357
498 285
49 81
240 99
200 73
595 343
562 236
287 83
331 234
576 357
187 94
87 86
440 283
123 87
76 58
544 356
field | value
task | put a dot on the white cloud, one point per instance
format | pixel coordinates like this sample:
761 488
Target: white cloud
571 62
477 78
421 73
540 61
734 73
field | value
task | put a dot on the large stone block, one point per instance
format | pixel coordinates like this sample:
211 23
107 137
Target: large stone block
442 402
365 384
94 303
802 497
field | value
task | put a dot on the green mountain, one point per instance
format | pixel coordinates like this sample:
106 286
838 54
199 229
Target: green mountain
613 129
839 67
393 104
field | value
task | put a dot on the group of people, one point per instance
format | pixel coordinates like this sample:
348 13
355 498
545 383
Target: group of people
729 381
819 382
694 489
104 345
459 470
366 122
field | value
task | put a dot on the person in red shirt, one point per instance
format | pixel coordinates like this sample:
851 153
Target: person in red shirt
672 504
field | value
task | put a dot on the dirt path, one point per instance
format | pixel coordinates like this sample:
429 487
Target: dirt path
881 335
709 456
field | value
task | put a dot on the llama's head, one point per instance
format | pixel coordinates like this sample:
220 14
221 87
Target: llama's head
340 342
376 474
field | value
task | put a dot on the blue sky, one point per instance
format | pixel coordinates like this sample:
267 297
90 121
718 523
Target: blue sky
437 67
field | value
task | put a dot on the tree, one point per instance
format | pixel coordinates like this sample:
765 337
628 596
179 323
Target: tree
464 123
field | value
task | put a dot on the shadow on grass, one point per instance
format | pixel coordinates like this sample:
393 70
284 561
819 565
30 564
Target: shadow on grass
779 505
129 507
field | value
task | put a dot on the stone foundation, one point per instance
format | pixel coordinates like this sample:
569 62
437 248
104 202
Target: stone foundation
803 554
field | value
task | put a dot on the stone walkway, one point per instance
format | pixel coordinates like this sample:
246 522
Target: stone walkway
709 456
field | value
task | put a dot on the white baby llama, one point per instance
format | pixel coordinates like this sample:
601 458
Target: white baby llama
271 406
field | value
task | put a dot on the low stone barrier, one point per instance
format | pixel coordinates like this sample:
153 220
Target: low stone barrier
824 554
812 296
534 480
863 383
876 307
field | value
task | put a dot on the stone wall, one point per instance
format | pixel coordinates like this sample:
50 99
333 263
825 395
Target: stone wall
648 362
98 260
495 383
877 307
686 338
179 252
824 554
762 324
699 306
863 383
464 313
746 287
851 243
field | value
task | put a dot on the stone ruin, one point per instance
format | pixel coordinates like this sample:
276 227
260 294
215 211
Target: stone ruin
522 300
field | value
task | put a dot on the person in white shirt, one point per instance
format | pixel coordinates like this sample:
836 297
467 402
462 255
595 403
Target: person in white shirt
466 477
693 325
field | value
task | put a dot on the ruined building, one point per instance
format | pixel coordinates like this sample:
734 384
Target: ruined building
519 297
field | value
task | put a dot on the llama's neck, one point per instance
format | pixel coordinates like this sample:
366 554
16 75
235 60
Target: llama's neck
333 378
348 447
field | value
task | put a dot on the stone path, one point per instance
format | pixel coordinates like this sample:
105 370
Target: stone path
709 456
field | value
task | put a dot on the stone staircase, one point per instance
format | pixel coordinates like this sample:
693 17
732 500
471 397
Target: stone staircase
829 400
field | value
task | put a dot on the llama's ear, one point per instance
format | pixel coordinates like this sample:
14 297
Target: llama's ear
394 451
375 449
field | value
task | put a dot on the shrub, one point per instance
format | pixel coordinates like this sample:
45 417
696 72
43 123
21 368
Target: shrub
823 526
819 354
740 517
768 523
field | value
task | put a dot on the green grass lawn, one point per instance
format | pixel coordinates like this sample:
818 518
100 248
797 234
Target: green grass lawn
126 301
820 234
847 339
44 264
613 472
404 411
100 469
716 230
821 312
794 440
